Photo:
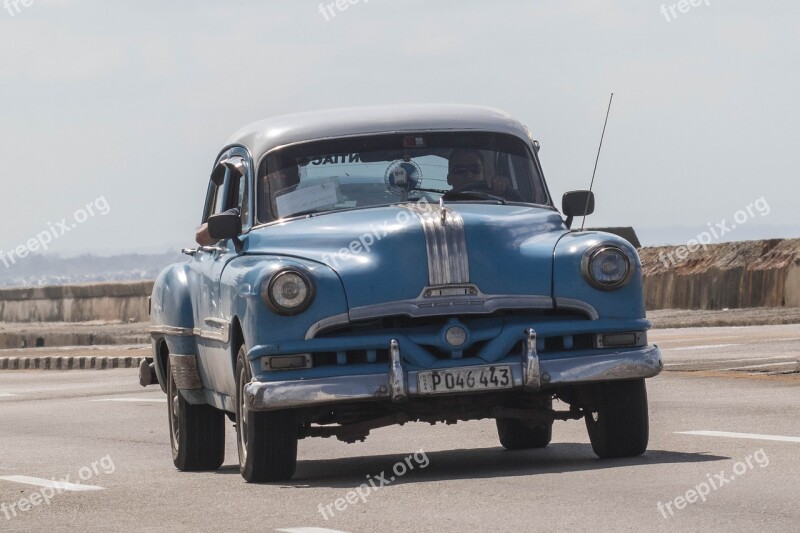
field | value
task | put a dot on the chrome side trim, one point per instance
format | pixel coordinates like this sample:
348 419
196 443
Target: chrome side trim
171 330
270 396
327 323
466 304
222 332
577 305
184 371
397 377
446 244
531 377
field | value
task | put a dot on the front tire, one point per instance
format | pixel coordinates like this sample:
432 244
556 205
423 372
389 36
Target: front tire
267 441
618 424
197 432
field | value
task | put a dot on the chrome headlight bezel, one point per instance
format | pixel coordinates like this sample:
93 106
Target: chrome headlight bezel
269 284
594 253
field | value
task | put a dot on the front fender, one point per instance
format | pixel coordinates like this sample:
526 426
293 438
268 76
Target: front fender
570 284
241 289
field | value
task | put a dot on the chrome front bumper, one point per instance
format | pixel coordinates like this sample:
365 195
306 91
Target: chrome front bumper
397 385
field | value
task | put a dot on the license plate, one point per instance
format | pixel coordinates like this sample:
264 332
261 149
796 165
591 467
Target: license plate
465 379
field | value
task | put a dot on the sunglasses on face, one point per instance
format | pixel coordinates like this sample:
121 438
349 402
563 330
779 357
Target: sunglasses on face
461 170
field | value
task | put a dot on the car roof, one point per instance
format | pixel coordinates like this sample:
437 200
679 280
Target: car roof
266 135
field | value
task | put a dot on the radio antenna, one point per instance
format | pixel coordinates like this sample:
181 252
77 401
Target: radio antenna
591 185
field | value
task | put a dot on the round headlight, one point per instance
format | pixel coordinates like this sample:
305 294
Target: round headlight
288 292
607 267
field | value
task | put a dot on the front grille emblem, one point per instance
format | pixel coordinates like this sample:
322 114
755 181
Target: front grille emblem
455 336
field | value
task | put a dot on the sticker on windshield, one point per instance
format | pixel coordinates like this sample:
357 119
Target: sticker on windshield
307 199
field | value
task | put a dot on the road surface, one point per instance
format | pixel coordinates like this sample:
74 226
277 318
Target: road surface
728 441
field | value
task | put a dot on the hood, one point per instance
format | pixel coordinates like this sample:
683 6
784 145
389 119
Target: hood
387 254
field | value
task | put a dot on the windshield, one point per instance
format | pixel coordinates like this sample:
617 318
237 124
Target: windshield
388 169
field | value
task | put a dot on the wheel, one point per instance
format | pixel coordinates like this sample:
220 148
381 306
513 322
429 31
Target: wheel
619 426
523 435
267 441
197 432
518 434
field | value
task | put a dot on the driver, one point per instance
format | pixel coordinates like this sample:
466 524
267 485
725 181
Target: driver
465 173
465 170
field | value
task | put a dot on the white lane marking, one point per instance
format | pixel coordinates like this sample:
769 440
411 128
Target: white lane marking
778 361
62 485
309 530
699 347
6 394
752 436
785 358
715 362
752 367
159 400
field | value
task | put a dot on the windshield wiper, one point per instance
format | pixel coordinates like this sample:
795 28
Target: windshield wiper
466 195
440 191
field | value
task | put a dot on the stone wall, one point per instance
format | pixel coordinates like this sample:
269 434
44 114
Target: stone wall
728 275
126 302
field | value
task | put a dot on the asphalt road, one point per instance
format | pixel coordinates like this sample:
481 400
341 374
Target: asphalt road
103 430
750 348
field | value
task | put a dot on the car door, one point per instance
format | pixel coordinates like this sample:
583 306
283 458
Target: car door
228 188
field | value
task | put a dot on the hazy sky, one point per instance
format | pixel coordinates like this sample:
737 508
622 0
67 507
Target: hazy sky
126 104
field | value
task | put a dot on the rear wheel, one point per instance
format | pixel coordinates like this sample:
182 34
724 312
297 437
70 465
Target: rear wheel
267 441
197 432
619 424
516 434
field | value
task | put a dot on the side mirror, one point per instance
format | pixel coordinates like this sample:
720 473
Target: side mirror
577 204
224 226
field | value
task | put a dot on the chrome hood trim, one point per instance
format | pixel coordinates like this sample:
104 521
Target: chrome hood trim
446 244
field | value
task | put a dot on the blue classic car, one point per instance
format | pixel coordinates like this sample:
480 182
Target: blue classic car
375 266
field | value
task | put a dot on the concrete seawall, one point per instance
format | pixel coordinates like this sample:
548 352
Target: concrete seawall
126 302
728 275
